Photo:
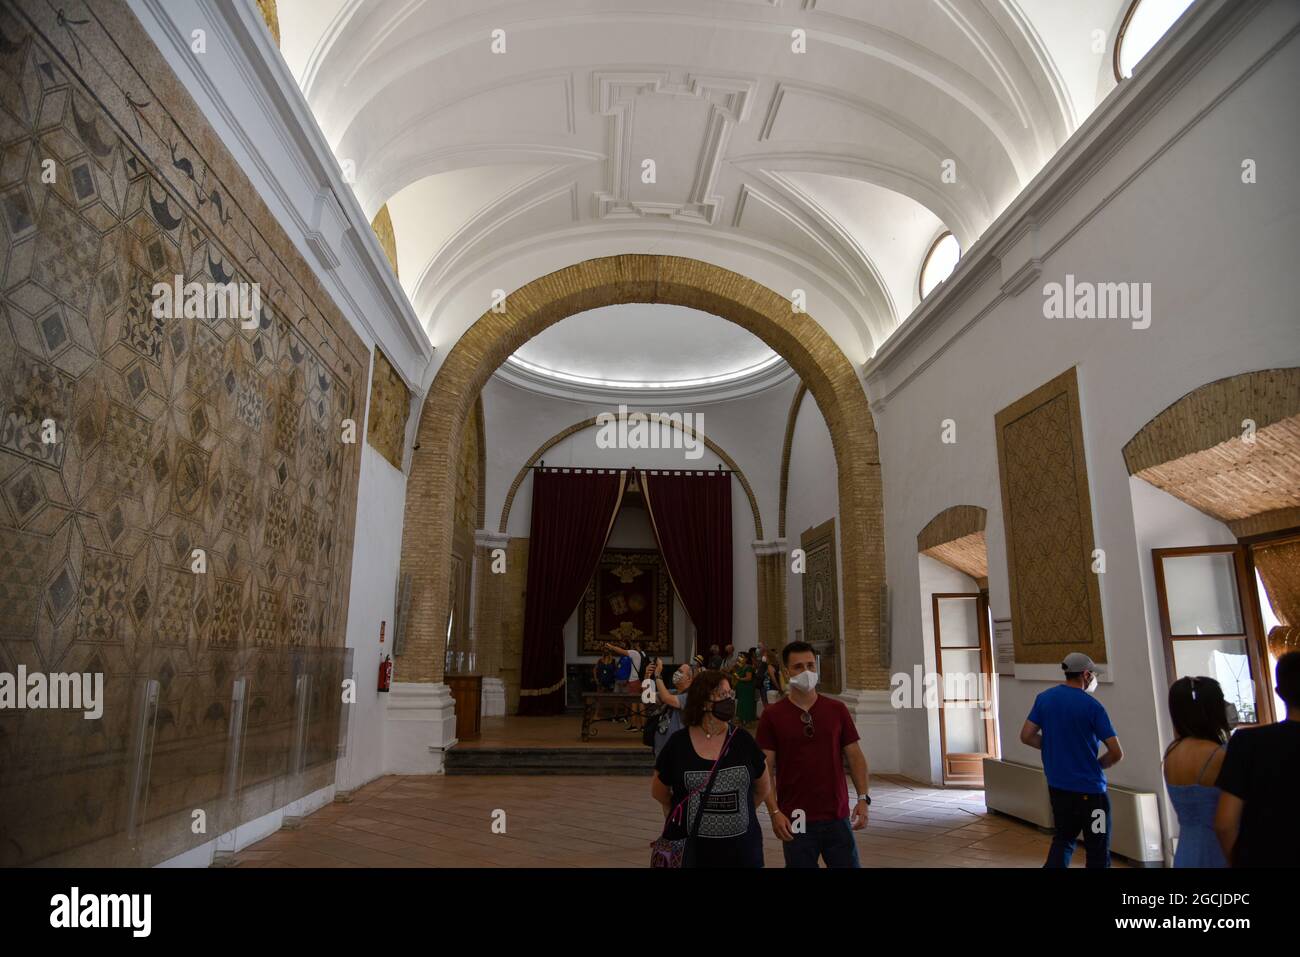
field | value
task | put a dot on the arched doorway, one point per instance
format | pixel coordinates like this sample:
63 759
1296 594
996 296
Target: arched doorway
1220 539
953 565
644 279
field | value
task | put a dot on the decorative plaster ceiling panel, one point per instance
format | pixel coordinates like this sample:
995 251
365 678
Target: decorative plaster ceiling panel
731 114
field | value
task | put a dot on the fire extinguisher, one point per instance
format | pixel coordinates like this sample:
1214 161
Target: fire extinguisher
386 673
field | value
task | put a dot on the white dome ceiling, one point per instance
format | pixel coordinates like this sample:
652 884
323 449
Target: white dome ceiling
640 352
823 170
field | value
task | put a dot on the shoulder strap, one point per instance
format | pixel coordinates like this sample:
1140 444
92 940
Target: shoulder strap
1206 765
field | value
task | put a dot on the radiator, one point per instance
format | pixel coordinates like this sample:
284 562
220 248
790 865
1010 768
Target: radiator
1020 791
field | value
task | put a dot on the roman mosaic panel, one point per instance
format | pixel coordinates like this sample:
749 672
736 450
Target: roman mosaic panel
128 442
821 603
1047 513
390 404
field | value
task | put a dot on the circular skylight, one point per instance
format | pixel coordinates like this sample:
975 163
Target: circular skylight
939 262
1146 22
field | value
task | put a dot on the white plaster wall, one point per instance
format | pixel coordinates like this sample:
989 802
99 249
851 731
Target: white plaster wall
933 576
812 496
1167 207
1162 521
376 555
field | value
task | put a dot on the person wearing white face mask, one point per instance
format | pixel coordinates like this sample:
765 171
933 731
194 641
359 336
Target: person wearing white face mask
1067 723
806 738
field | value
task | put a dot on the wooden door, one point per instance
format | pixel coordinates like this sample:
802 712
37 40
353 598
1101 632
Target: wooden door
964 665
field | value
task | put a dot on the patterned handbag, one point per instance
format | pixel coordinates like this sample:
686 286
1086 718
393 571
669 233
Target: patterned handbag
671 852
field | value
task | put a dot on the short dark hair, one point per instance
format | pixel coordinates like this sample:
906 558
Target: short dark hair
794 648
1198 709
1073 675
1288 678
700 701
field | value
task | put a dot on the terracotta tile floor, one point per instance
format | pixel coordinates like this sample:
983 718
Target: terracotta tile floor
609 822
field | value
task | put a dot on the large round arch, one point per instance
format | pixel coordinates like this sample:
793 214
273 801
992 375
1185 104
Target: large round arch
592 423
617 280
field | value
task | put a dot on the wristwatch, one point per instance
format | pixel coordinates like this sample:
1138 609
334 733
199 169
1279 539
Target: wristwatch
865 797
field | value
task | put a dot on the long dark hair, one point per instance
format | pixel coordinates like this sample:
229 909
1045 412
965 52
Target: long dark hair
1198 709
700 701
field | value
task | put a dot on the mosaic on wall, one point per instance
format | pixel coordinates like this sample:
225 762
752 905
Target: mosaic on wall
390 404
1047 513
821 603
128 441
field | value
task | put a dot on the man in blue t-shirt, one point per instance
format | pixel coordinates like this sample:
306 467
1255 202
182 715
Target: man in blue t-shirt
1066 724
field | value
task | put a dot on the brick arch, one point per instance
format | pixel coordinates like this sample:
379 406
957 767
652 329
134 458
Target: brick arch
956 537
671 280
590 423
1194 450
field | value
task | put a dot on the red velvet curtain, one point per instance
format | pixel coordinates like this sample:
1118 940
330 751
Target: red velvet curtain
691 516
572 515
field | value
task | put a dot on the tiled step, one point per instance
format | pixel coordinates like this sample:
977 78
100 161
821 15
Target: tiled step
631 761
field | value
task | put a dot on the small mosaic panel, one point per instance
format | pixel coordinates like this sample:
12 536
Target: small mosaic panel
390 404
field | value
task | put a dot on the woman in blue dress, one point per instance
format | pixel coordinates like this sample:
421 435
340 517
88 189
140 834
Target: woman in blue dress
1192 762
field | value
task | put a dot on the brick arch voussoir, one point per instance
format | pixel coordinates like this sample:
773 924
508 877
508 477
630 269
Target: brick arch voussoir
797 337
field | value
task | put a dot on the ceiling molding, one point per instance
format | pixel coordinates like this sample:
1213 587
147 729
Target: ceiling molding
614 95
537 382
1174 61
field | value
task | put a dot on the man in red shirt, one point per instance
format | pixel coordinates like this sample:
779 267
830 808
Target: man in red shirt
807 738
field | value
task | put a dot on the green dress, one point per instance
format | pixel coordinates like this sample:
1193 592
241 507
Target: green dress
745 705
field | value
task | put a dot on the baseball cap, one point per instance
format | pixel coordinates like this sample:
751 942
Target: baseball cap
1076 662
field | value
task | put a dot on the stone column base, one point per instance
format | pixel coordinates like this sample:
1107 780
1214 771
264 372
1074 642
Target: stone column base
494 697
877 724
419 727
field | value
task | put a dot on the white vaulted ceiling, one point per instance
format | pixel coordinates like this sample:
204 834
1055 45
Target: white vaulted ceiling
823 169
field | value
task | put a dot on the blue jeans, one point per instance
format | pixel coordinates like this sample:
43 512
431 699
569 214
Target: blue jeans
832 841
1072 812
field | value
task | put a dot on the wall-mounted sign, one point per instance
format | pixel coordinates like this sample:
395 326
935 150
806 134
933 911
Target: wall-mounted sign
1006 649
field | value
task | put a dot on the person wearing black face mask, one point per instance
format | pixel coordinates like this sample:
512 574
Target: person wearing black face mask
709 778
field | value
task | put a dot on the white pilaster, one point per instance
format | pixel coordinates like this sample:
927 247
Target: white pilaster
419 727
494 697
877 724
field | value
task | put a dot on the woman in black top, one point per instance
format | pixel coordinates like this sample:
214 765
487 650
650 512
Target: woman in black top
728 834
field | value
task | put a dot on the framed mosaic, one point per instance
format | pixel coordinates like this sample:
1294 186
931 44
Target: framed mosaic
1047 514
821 603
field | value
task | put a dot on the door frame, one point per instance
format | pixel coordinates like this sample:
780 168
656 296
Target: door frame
986 669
